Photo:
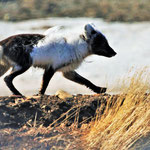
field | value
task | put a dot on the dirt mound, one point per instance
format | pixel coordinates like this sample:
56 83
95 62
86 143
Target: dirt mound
45 122
48 110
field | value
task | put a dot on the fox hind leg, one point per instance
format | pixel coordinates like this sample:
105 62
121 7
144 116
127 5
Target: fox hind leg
17 70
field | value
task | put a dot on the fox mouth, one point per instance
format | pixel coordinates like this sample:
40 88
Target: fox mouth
111 55
111 52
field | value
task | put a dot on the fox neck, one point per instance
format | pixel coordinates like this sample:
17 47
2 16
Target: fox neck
81 50
74 57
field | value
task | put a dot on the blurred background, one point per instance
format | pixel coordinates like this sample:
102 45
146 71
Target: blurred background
125 24
110 10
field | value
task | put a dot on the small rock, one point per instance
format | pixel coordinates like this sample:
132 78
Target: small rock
63 94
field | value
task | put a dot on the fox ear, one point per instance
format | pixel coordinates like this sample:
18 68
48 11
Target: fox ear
89 30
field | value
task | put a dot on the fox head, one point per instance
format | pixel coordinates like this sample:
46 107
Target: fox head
97 42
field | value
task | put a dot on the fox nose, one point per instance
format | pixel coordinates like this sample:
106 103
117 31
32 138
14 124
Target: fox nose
114 53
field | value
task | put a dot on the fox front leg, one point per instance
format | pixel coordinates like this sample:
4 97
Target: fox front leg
74 76
46 78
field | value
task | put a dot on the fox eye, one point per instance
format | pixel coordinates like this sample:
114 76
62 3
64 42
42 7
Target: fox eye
93 32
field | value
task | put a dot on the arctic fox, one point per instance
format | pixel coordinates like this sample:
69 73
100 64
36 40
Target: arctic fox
53 51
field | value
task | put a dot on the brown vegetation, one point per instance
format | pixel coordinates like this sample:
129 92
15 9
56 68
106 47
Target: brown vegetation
125 123
110 10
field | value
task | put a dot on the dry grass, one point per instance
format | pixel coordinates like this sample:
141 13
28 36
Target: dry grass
126 118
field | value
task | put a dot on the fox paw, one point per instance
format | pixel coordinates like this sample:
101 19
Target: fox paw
99 90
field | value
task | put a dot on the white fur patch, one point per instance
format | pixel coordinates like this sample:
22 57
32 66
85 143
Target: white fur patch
61 51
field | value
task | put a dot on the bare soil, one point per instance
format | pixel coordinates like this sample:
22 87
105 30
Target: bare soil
46 122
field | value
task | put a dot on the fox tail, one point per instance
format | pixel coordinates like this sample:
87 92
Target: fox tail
4 65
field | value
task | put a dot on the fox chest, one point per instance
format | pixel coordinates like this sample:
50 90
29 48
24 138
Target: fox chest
69 67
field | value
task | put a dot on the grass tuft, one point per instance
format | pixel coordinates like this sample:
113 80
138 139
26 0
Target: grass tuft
126 118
